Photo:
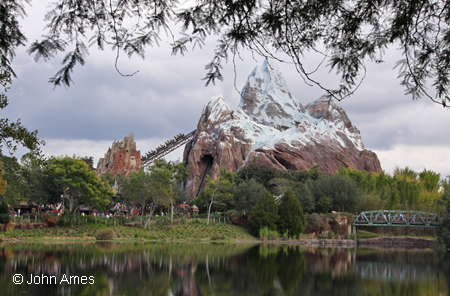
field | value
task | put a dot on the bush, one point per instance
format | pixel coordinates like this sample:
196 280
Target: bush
105 234
3 209
4 218
51 220
163 220
286 235
10 227
444 233
265 233
273 235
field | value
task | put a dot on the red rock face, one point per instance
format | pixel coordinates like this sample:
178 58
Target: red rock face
122 157
295 139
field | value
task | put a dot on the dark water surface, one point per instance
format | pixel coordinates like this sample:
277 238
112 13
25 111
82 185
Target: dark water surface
218 269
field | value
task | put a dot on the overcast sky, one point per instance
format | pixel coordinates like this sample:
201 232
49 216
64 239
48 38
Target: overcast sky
166 97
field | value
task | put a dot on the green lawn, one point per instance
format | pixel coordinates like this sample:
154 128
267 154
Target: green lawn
191 231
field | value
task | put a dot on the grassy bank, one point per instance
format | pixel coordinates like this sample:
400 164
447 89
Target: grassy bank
196 231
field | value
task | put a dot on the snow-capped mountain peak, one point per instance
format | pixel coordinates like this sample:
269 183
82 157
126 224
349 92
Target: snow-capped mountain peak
266 98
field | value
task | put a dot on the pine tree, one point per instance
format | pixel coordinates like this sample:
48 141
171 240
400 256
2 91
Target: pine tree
291 215
264 214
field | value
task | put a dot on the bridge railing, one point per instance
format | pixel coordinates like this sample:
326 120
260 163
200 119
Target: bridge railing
397 218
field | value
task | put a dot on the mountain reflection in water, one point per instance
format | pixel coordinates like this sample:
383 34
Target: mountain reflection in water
220 269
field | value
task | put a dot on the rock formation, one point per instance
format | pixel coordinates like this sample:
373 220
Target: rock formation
122 157
271 128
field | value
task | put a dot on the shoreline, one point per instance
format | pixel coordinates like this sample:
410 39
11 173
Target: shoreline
385 242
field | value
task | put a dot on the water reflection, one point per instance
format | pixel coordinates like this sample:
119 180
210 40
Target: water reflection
221 269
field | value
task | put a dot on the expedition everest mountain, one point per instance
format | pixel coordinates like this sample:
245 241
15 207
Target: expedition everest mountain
271 128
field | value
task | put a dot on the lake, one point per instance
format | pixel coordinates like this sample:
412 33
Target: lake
217 269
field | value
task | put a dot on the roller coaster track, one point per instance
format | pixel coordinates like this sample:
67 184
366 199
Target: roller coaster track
166 148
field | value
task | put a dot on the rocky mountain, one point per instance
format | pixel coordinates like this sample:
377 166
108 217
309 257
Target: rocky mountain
121 157
272 128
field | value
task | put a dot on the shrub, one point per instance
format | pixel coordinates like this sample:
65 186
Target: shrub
4 217
183 220
105 234
273 235
264 233
10 227
163 220
51 220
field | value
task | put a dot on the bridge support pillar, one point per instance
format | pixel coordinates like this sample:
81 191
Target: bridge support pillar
355 231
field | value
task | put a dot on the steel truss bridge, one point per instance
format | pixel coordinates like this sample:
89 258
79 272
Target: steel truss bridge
166 148
397 218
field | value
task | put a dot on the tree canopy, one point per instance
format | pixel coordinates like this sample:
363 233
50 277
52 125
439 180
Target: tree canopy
78 184
344 34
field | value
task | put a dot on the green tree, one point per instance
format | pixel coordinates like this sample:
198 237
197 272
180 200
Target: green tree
35 173
78 185
301 190
16 189
219 191
264 214
342 190
247 194
324 205
137 189
430 180
291 216
260 174
445 229
109 179
4 215
157 186
171 175
3 183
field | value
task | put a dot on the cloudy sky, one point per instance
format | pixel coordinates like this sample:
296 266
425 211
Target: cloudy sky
166 97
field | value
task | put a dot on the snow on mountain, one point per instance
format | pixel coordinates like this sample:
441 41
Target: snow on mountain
269 114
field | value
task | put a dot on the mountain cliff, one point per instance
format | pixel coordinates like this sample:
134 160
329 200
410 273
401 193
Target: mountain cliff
272 128
121 157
